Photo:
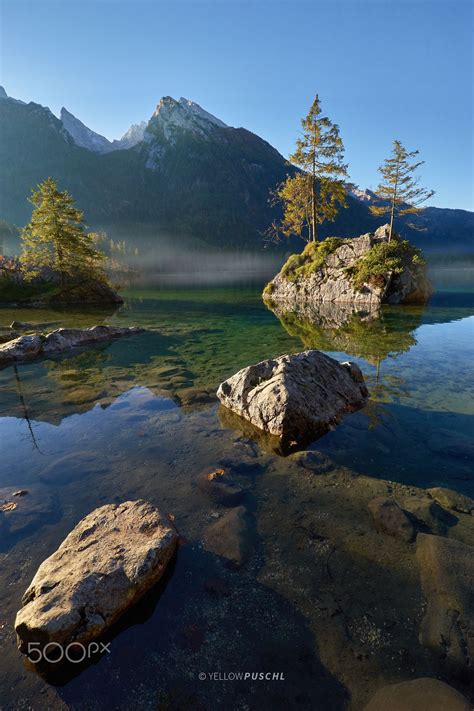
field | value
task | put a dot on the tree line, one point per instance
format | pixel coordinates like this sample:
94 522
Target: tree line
56 238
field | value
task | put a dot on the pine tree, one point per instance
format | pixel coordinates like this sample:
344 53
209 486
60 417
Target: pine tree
56 238
316 194
400 189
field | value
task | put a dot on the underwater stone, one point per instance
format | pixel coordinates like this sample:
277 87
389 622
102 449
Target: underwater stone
447 577
391 519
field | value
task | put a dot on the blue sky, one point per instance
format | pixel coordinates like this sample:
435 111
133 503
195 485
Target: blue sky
384 69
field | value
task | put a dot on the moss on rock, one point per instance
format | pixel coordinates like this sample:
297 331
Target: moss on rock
382 259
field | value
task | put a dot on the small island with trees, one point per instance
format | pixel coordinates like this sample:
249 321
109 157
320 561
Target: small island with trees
372 269
60 261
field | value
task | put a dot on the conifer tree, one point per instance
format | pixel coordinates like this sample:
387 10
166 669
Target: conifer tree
55 237
318 191
399 188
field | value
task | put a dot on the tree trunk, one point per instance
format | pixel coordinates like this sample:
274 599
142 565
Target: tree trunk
59 252
392 212
313 202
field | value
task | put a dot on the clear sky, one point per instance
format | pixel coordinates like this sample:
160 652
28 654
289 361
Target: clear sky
384 69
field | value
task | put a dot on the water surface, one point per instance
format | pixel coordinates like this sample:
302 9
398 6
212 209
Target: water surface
138 418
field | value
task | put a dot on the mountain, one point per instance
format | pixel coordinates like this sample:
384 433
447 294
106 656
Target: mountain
184 174
87 138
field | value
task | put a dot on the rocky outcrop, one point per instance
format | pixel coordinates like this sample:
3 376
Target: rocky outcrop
63 339
107 562
423 694
332 281
447 575
295 397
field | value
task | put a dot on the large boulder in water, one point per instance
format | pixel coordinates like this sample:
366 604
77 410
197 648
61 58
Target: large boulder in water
295 397
324 273
108 561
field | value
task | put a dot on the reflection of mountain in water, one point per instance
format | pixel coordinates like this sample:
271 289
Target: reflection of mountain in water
370 334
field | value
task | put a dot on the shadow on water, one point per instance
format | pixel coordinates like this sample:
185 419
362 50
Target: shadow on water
202 606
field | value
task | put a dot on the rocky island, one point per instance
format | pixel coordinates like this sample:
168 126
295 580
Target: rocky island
367 271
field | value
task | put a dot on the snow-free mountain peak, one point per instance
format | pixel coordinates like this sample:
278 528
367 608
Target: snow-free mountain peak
185 114
87 138
131 137
84 136
4 96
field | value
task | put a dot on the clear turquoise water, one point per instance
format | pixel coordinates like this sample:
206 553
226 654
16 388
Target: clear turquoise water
137 419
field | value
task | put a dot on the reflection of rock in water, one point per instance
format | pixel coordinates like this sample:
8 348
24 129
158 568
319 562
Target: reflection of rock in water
372 334
268 442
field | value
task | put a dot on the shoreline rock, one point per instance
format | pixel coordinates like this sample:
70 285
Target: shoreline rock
331 282
295 397
109 560
33 346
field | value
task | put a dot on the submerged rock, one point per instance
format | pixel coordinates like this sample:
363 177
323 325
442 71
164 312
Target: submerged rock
295 397
329 280
230 536
418 695
63 339
447 579
108 561
452 499
220 488
391 519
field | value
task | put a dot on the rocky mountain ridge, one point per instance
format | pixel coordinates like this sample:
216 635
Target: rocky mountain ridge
183 173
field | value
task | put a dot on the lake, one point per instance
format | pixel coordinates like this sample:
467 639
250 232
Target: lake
322 599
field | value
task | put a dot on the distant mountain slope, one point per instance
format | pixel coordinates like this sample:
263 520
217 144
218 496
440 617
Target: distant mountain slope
185 172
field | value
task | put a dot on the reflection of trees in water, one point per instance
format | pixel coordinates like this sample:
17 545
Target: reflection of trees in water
370 334
24 408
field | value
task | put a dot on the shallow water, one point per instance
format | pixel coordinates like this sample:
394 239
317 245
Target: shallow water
138 419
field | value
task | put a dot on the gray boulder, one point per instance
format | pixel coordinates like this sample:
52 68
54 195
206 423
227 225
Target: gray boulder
447 579
423 694
22 348
295 397
331 283
63 339
108 561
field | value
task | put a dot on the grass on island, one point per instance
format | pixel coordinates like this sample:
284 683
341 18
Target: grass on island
382 258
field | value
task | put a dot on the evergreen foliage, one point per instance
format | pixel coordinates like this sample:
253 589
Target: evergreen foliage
315 194
55 238
400 189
